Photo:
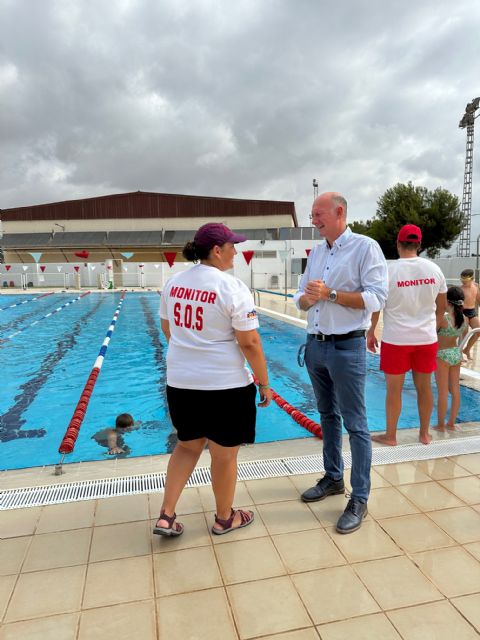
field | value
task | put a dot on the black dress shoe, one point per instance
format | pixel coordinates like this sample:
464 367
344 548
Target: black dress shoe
324 487
351 518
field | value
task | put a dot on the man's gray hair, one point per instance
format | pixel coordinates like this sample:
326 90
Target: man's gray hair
339 200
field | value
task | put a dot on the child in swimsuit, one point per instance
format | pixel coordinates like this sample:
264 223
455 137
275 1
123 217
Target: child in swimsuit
449 358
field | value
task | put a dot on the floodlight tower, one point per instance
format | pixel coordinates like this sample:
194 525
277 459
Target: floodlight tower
468 122
315 188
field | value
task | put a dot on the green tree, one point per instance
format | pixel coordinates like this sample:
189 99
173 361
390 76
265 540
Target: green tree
436 212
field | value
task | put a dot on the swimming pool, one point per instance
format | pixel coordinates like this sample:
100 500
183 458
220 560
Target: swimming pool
47 357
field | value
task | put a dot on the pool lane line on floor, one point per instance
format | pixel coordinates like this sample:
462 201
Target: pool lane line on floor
12 335
17 304
11 422
71 434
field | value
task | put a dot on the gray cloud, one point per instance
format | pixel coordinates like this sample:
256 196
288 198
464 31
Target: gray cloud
245 99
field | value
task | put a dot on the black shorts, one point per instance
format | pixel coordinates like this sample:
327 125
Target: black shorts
470 313
225 416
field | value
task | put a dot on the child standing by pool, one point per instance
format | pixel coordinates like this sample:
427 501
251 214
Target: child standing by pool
449 357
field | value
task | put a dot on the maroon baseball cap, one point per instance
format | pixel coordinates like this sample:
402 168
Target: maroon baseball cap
215 233
409 233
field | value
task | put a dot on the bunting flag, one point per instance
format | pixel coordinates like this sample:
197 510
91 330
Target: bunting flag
125 268
8 267
141 266
156 266
59 269
42 268
248 255
76 268
170 257
82 254
25 267
283 254
93 267
35 256
307 251
127 254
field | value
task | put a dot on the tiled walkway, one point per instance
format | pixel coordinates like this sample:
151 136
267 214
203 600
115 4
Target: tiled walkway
91 570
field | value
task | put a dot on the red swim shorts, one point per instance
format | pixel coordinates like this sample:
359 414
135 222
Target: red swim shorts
400 358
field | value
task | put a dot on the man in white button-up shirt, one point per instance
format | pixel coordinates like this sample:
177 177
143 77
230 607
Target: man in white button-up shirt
344 282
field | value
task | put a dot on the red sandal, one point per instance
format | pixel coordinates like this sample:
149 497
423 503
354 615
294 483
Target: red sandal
173 529
247 517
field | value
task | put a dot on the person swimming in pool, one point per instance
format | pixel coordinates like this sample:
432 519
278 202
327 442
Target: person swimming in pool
112 439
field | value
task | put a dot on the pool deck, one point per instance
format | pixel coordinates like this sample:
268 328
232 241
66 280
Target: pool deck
92 569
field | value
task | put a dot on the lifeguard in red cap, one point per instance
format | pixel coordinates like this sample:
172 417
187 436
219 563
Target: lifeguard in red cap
413 312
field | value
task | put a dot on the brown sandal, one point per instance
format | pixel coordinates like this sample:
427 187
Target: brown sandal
173 529
247 517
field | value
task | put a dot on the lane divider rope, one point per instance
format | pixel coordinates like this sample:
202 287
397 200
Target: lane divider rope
299 417
63 306
17 304
71 434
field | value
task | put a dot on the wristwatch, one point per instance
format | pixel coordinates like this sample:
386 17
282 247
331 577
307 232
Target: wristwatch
332 296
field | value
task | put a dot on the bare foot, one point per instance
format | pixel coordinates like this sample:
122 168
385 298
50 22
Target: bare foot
439 427
467 355
452 427
384 439
425 438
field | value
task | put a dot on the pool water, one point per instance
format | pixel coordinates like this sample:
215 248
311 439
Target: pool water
45 363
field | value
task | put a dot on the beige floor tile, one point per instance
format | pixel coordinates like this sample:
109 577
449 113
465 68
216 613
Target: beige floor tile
189 502
371 627
59 549
453 571
62 627
389 502
247 560
416 533
12 554
396 582
60 591
307 550
370 542
284 517
403 473
7 584
132 621
470 462
378 480
64 517
301 634
242 497
430 496
18 522
304 481
121 541
122 509
354 601
474 549
469 607
467 489
117 581
196 534
441 468
186 570
329 510
438 621
267 606
462 524
255 530
190 616
272 490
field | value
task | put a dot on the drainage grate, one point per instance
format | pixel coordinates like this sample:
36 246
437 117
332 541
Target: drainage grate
254 470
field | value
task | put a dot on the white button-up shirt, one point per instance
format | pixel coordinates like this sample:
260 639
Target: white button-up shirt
353 263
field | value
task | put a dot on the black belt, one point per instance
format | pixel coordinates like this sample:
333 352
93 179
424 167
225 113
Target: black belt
321 337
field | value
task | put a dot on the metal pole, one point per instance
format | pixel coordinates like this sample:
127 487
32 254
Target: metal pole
477 273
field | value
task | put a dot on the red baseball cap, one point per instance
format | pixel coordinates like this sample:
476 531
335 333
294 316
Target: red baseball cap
215 233
409 233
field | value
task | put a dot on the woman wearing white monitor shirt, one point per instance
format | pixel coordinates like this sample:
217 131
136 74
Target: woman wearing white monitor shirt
209 319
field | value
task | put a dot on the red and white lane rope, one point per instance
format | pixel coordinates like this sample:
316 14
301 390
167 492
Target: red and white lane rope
71 434
63 306
17 304
299 417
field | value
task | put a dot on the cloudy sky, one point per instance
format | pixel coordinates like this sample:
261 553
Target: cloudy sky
252 98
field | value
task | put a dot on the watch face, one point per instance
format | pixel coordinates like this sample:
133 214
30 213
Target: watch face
332 295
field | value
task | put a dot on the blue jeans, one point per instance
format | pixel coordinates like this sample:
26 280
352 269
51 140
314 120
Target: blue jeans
338 371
